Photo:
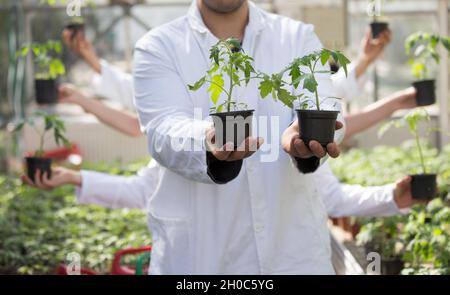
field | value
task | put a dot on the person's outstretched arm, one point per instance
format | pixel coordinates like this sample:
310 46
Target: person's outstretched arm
109 191
351 86
355 200
121 120
380 110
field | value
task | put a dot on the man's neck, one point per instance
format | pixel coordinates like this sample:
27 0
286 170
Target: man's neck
225 25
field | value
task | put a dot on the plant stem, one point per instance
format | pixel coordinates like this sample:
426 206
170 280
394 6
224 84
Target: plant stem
419 148
40 151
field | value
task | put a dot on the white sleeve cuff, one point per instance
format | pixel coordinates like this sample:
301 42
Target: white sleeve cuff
389 193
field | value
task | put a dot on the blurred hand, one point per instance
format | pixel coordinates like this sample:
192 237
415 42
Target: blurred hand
82 47
67 93
372 48
227 152
405 99
60 176
294 145
402 194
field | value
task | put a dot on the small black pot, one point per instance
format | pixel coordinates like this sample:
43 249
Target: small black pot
75 28
391 266
46 91
233 127
426 92
423 186
38 163
317 125
377 28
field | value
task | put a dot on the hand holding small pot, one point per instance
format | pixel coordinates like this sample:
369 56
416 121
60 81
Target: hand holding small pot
406 99
402 193
82 47
69 94
60 176
227 152
294 145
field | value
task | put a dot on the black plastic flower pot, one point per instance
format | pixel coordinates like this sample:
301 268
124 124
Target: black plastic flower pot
38 163
426 92
46 91
233 127
317 125
75 27
391 266
423 186
377 28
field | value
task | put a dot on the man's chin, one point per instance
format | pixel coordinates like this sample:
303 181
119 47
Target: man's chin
223 6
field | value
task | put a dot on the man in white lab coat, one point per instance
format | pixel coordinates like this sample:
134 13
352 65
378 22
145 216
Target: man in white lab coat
263 217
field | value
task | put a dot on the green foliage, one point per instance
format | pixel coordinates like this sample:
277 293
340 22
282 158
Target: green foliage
46 56
302 69
51 122
422 48
411 119
228 62
422 238
39 228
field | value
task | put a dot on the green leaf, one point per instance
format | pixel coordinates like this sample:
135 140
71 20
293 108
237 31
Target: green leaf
197 84
310 83
265 87
295 75
286 97
325 56
216 88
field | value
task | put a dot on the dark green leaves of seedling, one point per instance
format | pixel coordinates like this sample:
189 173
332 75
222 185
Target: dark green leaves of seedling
301 69
422 48
412 120
228 63
51 122
46 55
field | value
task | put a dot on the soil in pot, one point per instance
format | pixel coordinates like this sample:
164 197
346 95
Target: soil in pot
233 127
46 91
377 28
426 92
75 27
423 186
391 266
38 163
317 125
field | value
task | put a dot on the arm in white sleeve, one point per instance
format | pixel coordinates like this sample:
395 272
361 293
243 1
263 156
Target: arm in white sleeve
114 84
176 139
354 200
348 87
112 191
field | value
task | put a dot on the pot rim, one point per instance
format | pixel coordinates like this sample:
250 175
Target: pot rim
232 113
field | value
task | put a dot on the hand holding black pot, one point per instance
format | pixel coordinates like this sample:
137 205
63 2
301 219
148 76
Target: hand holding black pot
227 152
60 176
294 145
402 193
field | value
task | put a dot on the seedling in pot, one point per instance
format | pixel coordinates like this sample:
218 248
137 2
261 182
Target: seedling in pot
49 68
378 25
423 185
229 64
382 235
51 123
422 49
315 124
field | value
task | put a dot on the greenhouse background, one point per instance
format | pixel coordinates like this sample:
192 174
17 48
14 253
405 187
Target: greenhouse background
38 228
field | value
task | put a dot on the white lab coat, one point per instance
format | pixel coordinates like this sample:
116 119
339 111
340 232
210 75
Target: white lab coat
114 84
133 192
270 218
